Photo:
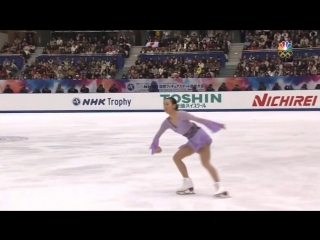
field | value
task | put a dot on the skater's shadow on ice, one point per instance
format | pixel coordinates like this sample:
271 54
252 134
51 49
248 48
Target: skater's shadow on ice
161 193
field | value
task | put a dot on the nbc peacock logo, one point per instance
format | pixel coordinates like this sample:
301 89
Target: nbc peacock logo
285 49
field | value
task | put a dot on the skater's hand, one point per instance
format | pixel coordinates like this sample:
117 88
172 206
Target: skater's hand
224 127
158 150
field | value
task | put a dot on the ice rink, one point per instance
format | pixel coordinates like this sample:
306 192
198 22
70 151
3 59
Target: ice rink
102 161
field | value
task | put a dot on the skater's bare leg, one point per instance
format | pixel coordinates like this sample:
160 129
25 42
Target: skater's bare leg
205 156
205 159
179 156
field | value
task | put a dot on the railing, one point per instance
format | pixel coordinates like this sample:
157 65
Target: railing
13 54
176 53
82 54
24 31
96 31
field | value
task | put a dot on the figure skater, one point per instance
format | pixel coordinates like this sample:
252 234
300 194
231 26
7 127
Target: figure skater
198 141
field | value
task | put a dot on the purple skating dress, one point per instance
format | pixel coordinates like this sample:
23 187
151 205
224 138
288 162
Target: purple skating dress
197 137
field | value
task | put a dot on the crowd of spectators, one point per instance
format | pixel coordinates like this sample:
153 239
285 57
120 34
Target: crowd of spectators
24 47
270 39
88 43
91 42
176 66
271 64
8 69
71 69
173 67
218 42
59 89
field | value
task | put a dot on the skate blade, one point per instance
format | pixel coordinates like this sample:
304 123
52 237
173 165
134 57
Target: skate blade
222 195
186 192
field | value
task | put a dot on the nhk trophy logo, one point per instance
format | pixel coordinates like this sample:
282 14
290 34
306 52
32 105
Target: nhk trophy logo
285 49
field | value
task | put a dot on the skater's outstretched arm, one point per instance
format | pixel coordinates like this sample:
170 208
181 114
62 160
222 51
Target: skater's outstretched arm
213 126
155 142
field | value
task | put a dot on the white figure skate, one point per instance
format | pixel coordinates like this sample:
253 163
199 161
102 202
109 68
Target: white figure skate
186 188
220 192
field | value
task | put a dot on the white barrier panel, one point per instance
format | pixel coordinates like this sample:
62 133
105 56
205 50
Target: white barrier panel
308 100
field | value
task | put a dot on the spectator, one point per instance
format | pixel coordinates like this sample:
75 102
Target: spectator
210 88
59 89
223 88
8 89
236 88
101 89
36 90
73 90
23 89
3 73
249 88
46 90
113 89
276 86
8 70
262 87
304 87
153 87
84 89
288 87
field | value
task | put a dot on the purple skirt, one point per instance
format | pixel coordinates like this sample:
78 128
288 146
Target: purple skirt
198 141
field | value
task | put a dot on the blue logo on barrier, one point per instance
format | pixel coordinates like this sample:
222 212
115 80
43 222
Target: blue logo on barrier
76 101
130 87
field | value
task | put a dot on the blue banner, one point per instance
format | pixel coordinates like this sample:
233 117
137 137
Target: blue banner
118 57
303 52
191 55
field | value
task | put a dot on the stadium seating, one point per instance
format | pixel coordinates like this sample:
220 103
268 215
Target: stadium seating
88 42
17 59
260 56
72 68
270 39
183 56
18 51
88 54
91 55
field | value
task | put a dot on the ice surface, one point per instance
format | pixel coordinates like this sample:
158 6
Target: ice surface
267 161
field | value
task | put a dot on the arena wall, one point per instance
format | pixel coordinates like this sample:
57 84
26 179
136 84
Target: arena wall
3 38
153 102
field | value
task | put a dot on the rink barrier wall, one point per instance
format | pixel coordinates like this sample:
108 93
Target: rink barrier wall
163 85
307 100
